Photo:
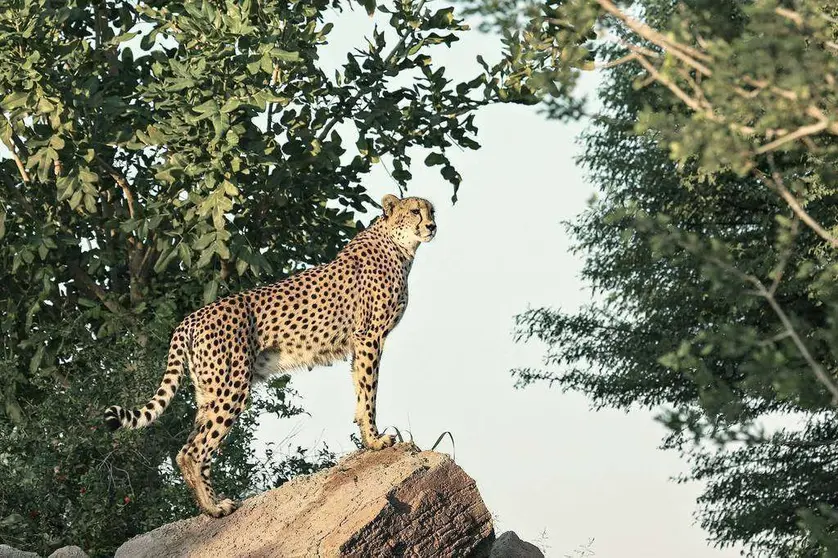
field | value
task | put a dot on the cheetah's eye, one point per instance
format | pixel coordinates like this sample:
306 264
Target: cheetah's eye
415 211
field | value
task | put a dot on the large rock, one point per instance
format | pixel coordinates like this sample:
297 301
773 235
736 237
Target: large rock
509 545
393 502
7 551
69 552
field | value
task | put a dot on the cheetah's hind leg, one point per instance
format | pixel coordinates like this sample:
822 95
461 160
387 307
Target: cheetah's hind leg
212 423
194 460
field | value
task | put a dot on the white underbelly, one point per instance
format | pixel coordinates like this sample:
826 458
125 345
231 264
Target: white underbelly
274 361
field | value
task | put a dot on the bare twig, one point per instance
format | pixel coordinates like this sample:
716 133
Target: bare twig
801 132
704 108
779 337
21 169
791 15
648 53
617 62
804 216
20 145
747 94
700 96
680 93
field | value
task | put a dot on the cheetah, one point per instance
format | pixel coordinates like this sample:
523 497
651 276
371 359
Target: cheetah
344 308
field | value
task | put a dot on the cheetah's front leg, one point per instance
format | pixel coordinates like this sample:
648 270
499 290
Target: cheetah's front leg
365 361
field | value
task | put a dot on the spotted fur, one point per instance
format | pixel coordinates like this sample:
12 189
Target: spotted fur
345 308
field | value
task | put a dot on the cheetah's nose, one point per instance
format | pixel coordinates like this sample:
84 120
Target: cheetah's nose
431 227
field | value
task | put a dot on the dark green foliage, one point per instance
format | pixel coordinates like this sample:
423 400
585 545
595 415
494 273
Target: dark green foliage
159 155
715 296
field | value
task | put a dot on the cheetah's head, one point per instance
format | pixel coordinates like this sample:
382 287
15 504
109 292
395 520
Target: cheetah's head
410 220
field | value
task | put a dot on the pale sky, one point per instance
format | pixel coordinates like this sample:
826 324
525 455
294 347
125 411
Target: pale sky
543 461
547 466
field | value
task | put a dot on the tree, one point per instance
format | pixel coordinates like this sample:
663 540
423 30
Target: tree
159 155
712 248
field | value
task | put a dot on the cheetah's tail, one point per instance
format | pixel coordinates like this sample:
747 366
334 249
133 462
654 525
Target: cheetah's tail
117 417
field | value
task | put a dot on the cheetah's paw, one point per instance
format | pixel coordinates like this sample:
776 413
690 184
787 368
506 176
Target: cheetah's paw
223 508
382 442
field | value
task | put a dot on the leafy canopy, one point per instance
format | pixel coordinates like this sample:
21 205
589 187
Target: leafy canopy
712 247
156 156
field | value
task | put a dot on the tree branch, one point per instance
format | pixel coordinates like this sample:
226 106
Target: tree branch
354 99
121 182
274 79
688 55
680 93
18 146
820 374
27 205
784 260
86 283
23 174
817 369
801 132
777 182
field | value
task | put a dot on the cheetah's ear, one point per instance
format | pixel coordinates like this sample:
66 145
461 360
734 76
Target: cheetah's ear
389 202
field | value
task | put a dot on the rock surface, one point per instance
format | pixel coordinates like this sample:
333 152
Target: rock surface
509 545
69 552
7 551
393 502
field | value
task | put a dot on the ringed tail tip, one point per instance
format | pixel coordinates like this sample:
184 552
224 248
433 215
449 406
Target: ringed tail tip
112 420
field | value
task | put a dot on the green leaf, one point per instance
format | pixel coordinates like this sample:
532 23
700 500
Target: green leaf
123 37
369 6
90 203
204 240
285 55
435 159
185 254
206 258
76 199
210 291
35 362
230 105
165 259
14 100
207 108
222 250
241 266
